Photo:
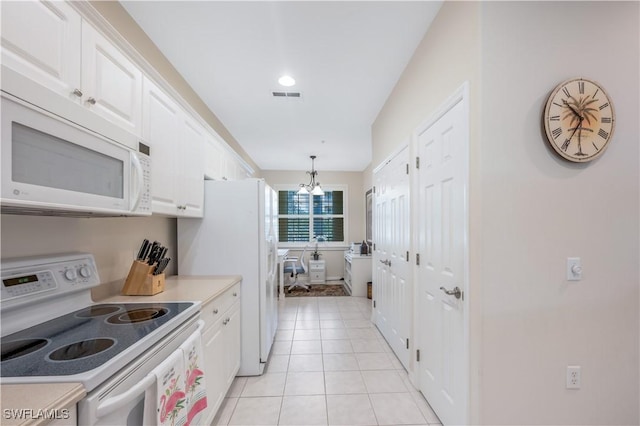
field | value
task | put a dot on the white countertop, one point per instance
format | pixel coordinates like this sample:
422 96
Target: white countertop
358 255
181 288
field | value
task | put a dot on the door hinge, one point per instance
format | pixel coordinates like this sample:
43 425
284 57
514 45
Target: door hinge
417 162
418 259
374 303
407 256
417 355
374 246
374 189
407 343
407 168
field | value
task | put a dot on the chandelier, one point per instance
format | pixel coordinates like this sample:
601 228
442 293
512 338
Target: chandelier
312 187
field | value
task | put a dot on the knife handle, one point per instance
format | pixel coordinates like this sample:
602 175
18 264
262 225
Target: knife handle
143 249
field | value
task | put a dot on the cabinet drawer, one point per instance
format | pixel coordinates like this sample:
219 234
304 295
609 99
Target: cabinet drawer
316 268
213 311
315 276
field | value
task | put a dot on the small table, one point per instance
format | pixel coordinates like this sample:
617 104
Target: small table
316 272
282 255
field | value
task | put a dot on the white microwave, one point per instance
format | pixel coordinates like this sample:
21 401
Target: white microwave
51 166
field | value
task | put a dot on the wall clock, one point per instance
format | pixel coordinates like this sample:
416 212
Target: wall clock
579 120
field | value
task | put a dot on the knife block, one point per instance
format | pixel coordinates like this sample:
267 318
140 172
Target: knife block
141 281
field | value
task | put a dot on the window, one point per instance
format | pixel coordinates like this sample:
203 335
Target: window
303 217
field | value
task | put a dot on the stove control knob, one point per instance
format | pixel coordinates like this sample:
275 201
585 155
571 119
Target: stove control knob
85 272
70 274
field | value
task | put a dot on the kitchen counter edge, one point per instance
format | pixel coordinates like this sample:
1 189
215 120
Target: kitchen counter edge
19 402
184 288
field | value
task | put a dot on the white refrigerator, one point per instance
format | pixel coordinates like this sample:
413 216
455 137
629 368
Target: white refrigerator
238 236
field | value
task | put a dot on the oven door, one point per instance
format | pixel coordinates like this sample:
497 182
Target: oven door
120 400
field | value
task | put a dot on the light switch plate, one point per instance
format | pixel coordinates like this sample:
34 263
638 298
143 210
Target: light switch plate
574 269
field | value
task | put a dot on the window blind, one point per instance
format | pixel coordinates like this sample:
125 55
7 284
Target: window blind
303 217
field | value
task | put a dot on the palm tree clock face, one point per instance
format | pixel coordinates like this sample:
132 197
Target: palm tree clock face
579 120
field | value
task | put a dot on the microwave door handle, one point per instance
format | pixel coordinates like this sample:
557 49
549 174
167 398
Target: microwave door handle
117 402
136 163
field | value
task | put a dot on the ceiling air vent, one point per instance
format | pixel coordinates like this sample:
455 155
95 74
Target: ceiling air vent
291 95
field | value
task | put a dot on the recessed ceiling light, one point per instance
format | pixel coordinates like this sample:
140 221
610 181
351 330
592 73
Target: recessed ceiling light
286 81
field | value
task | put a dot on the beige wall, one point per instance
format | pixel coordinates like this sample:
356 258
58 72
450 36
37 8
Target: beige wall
118 17
112 241
530 210
538 210
355 209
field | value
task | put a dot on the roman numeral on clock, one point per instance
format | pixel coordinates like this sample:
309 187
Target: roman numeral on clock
603 106
556 132
595 146
603 134
565 145
566 92
605 120
581 87
556 118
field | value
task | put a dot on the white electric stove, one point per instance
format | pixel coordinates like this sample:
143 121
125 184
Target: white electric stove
52 332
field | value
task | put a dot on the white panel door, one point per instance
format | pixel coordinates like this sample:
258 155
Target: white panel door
393 308
443 370
112 84
380 238
41 40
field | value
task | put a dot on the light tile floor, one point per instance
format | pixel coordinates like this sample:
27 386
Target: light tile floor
329 365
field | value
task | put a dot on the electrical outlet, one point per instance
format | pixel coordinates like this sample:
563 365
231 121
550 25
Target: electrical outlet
574 377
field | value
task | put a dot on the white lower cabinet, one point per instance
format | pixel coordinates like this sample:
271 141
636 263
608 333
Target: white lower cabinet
357 273
317 273
221 347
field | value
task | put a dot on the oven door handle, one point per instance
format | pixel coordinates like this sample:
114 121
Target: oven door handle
116 402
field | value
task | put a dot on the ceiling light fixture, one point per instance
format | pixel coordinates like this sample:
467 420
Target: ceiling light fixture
312 187
287 81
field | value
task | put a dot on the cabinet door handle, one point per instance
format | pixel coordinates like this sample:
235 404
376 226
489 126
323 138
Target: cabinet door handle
77 92
225 321
235 294
92 101
215 311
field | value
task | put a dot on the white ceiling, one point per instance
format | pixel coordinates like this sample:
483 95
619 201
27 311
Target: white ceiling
345 56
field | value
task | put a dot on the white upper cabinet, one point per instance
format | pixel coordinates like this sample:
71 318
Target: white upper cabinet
221 163
111 83
177 165
50 44
191 168
213 153
161 120
41 40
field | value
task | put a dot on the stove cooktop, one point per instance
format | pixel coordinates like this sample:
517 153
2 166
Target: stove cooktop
86 339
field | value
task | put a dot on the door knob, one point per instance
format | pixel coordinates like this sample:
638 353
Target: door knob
92 101
455 292
386 262
77 92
